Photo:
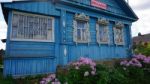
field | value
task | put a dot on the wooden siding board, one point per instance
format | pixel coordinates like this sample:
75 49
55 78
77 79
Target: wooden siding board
112 6
46 8
17 67
91 13
96 52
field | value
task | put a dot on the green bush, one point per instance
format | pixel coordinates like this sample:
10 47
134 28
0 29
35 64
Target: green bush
116 77
142 49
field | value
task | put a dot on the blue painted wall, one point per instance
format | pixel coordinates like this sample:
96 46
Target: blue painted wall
30 58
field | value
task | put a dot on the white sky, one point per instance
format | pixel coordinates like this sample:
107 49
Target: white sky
140 7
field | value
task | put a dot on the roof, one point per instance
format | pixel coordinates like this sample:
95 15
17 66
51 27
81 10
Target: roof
4 40
142 38
128 8
123 4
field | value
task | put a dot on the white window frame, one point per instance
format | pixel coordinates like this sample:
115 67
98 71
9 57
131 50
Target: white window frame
35 40
119 25
86 34
81 18
98 33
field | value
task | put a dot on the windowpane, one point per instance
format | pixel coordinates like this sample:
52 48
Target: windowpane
118 35
81 25
78 34
32 27
81 31
103 34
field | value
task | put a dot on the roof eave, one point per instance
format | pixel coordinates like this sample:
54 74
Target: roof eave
5 13
130 9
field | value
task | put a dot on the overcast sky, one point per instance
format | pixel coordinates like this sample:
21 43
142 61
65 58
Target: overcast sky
140 7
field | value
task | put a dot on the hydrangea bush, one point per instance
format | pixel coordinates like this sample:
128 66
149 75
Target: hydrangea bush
136 69
85 71
82 71
136 61
85 62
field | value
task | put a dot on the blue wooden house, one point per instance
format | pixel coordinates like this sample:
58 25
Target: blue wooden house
45 33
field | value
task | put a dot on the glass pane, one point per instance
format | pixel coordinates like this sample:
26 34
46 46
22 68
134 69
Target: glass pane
20 30
78 34
103 32
15 25
15 20
49 24
84 34
81 31
80 25
119 37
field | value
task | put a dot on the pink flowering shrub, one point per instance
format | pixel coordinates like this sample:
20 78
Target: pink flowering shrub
136 61
143 58
137 69
85 62
85 71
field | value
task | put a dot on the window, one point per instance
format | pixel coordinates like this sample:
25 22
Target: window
102 31
118 34
81 29
31 27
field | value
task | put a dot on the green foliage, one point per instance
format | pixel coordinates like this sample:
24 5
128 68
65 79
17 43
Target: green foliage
7 80
75 76
116 77
142 49
102 74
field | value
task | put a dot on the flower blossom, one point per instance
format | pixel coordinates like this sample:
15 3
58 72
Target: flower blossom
86 74
84 61
93 72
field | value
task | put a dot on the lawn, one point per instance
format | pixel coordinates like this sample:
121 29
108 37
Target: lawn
5 80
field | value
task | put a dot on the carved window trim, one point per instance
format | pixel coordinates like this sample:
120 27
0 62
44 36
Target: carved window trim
81 18
119 26
103 23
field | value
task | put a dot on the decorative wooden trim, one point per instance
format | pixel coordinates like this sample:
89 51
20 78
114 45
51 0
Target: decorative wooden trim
119 25
102 21
81 17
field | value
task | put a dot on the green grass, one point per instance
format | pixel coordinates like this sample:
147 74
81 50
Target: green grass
7 80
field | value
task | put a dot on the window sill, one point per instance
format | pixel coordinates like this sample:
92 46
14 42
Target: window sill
120 44
82 42
103 43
